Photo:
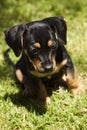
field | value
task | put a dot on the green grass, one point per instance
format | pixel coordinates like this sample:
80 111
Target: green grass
65 112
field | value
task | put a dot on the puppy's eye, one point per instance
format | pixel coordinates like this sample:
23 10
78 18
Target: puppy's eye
54 46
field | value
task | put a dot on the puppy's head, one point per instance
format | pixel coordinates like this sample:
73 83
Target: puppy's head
39 41
40 46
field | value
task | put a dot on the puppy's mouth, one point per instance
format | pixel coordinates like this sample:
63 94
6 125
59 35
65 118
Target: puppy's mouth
41 73
43 68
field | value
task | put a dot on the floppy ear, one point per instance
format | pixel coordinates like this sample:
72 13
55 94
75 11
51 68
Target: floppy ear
58 25
13 38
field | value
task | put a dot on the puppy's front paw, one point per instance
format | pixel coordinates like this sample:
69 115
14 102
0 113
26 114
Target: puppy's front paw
48 101
45 101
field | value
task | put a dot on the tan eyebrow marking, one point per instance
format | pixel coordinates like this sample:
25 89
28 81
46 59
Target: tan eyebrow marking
37 45
50 43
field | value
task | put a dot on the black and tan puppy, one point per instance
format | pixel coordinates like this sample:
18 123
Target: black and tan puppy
44 59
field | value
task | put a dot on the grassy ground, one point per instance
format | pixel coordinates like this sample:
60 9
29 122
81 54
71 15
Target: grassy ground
65 112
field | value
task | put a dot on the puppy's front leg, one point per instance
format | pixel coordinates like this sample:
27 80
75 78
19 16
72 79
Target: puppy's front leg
42 93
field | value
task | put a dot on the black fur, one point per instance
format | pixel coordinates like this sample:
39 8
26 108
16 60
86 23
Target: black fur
21 39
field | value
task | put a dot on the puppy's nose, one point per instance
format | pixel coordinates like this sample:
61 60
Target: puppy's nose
48 67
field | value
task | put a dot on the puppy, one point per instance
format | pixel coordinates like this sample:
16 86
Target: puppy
44 59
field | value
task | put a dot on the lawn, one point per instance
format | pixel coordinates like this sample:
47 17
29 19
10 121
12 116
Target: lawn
65 112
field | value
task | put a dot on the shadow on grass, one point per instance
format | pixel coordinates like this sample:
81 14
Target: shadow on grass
30 104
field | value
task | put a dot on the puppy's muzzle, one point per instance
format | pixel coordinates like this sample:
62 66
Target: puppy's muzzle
47 74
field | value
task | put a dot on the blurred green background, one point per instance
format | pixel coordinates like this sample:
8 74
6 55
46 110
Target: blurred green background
17 11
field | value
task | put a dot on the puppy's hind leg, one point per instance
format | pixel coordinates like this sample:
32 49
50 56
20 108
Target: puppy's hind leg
73 84
23 80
